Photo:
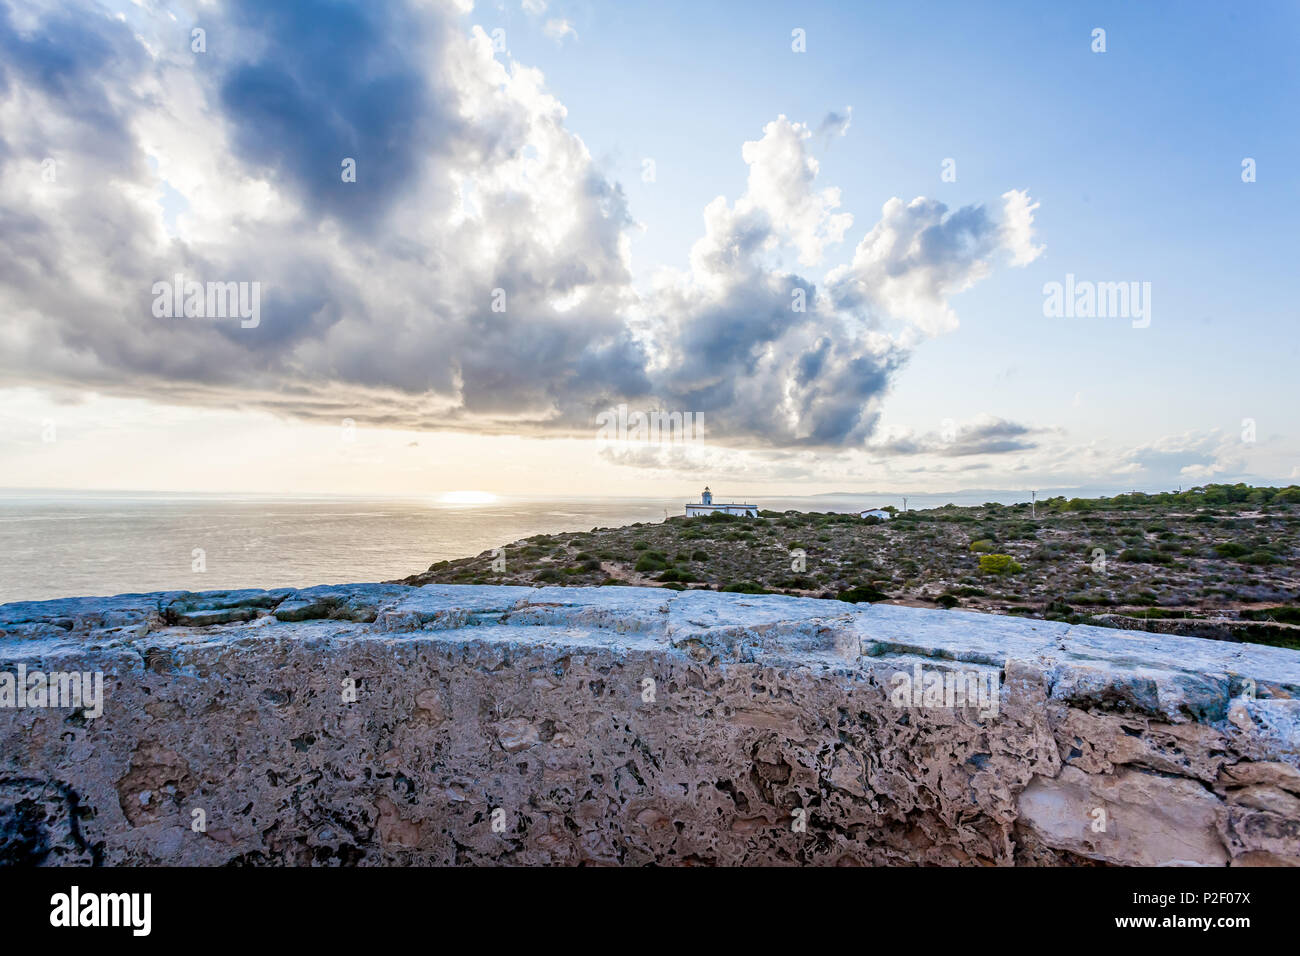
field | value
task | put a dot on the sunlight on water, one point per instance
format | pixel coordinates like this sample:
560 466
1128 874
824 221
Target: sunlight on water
61 545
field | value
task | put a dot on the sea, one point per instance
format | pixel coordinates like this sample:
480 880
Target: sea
68 544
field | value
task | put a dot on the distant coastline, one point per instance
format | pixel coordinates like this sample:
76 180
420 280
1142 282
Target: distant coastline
59 543
1220 562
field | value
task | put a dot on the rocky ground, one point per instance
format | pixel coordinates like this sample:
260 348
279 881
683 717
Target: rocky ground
366 724
1217 562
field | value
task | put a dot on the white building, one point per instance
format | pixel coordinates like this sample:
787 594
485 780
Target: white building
880 513
706 506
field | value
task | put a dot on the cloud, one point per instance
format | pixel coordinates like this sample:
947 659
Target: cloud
920 254
477 273
293 115
984 435
1018 227
558 28
835 124
1190 456
781 178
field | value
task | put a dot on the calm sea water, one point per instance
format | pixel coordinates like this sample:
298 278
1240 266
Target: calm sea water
64 545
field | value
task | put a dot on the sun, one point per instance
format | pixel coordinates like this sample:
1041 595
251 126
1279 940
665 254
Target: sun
468 498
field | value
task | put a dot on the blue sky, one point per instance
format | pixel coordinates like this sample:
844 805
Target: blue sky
376 309
1134 155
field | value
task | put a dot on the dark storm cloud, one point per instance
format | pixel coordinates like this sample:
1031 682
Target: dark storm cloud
74 61
335 80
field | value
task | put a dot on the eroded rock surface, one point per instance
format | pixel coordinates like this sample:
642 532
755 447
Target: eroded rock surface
384 724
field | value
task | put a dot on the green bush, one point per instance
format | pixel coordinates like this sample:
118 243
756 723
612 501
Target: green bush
1144 556
1231 549
984 544
651 561
999 564
746 587
700 556
1283 614
672 574
800 582
862 592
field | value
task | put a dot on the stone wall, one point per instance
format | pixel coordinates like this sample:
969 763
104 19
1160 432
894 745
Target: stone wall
382 724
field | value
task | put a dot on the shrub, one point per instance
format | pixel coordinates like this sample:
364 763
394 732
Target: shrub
984 544
1089 597
651 561
999 564
946 601
797 582
700 556
746 587
1230 549
1283 614
672 574
1144 556
862 592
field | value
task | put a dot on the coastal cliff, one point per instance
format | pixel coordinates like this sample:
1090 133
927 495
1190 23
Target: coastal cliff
390 724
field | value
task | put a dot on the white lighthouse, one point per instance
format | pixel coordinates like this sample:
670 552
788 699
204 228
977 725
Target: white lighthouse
706 506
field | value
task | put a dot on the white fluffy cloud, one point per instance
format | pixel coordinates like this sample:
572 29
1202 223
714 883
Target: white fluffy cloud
920 254
781 178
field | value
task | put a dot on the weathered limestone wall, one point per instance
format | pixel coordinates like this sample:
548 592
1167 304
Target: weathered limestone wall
628 726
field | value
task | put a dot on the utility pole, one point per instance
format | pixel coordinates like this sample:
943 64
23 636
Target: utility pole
1033 503
904 502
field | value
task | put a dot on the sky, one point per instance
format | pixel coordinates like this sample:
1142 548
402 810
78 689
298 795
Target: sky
821 236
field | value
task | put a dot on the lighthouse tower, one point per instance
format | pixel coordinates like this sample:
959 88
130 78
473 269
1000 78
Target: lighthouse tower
705 506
